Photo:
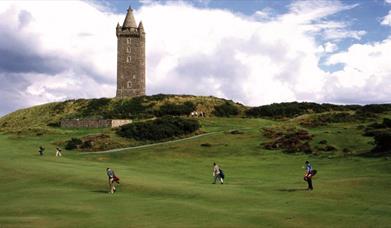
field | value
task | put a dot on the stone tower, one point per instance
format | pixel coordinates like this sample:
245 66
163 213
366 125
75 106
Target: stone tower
130 57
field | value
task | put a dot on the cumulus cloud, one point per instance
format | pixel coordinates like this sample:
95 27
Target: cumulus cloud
387 19
53 51
328 47
216 52
59 50
366 75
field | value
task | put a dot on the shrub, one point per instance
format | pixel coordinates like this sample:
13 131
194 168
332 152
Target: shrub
383 142
290 140
376 108
291 109
323 141
128 108
324 119
162 128
372 129
54 124
87 144
72 144
176 109
225 110
95 107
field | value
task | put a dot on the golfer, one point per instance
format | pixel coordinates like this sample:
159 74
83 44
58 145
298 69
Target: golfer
308 175
111 175
41 150
217 174
58 152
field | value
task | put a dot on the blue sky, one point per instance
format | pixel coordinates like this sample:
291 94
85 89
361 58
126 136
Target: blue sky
254 52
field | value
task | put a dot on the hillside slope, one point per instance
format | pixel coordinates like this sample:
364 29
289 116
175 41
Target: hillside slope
43 117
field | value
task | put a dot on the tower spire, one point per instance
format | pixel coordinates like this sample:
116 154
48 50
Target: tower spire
129 21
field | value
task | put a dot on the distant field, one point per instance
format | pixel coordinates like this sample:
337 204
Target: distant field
169 185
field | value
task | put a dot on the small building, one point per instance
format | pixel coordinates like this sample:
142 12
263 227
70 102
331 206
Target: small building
93 123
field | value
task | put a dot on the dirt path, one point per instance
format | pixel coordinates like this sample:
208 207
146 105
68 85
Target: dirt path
150 145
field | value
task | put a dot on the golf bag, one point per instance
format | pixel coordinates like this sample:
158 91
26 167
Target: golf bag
221 173
310 175
116 179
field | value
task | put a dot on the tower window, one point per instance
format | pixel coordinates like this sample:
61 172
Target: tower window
128 59
134 76
128 49
129 84
128 40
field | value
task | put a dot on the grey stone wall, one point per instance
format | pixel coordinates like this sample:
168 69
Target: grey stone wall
90 123
84 123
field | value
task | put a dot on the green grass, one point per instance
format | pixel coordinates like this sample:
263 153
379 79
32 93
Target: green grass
170 185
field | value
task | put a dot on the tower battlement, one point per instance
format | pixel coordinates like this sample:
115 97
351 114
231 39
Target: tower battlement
130 57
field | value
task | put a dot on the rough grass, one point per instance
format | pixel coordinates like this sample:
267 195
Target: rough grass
36 119
170 185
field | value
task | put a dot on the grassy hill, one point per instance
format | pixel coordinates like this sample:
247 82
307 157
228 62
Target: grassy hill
41 118
169 184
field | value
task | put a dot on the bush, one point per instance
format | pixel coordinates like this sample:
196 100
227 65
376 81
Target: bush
376 108
327 118
382 142
125 109
290 140
95 107
291 109
176 109
54 124
162 128
372 129
225 110
72 144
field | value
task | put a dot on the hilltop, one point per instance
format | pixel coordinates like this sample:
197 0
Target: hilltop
47 117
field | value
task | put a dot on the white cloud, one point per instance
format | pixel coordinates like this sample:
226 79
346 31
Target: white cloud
255 60
73 43
387 19
387 1
328 47
366 75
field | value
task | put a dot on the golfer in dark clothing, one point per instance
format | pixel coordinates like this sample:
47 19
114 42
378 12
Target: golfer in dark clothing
308 175
41 150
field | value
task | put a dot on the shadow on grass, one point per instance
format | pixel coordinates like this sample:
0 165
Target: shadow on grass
291 189
376 154
100 191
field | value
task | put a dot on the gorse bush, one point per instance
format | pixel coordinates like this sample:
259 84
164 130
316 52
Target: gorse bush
225 110
74 143
290 140
376 108
373 128
381 133
125 109
95 106
176 109
162 128
291 109
383 141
